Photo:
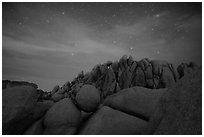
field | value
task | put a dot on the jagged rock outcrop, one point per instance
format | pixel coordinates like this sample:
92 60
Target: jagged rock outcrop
111 77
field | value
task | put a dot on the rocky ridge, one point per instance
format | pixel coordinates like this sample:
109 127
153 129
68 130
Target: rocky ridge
121 97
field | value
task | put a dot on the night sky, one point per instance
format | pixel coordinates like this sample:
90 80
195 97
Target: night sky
50 43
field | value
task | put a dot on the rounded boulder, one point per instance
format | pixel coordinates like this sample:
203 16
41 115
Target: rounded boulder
62 118
88 98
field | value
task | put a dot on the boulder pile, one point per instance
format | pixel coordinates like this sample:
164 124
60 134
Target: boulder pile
115 98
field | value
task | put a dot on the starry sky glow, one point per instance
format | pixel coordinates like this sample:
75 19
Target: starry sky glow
50 43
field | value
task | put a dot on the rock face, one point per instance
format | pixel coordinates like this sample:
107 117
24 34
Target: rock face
63 118
88 98
107 121
180 109
18 105
138 101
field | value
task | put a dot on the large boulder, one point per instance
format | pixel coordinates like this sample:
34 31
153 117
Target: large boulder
180 109
35 129
107 121
18 105
62 118
88 98
137 101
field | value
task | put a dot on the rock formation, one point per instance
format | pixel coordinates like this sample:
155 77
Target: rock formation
121 97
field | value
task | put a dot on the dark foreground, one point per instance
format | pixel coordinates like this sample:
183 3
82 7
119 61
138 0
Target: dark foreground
115 98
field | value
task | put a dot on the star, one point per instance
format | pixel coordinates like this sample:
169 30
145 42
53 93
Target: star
114 15
130 37
106 21
63 13
152 10
114 42
72 54
157 15
75 45
178 30
158 52
121 6
131 48
36 23
48 21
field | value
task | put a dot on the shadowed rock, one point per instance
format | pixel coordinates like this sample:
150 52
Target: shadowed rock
62 119
136 101
185 68
18 105
179 111
107 121
35 129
